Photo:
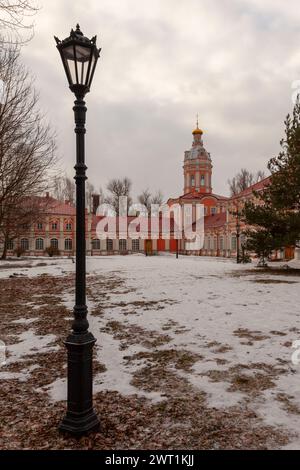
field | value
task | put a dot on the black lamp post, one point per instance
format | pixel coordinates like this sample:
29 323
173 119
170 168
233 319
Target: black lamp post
79 56
238 233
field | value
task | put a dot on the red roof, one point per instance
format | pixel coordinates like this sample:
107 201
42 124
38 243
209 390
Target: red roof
215 220
199 196
61 208
254 187
52 206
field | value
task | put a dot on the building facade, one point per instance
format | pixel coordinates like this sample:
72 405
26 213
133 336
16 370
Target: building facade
57 227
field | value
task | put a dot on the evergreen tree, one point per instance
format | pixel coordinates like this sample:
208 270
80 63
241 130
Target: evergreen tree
274 217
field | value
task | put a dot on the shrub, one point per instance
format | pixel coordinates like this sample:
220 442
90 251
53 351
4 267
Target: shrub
19 251
52 251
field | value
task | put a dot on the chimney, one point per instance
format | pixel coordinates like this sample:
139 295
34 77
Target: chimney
96 202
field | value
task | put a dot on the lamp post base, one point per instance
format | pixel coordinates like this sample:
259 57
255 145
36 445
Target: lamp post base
79 424
80 417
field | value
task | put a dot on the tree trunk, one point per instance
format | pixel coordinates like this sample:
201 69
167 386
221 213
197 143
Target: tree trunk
4 252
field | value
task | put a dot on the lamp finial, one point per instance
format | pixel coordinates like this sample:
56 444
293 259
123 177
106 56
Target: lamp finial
78 31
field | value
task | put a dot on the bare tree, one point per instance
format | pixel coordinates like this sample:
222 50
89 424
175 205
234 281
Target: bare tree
63 188
96 200
157 198
27 144
147 199
70 190
243 180
58 189
117 188
18 219
15 16
89 192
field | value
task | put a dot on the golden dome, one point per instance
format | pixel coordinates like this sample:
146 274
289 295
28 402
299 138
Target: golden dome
197 131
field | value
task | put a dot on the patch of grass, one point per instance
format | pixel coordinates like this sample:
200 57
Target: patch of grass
251 335
287 403
247 378
134 334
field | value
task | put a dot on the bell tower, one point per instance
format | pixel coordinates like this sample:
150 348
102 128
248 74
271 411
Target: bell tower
197 166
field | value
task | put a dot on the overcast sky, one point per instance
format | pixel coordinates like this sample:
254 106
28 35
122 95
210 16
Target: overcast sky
162 62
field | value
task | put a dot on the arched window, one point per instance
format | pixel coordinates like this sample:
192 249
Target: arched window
221 243
233 242
69 226
25 244
10 245
122 245
96 244
208 243
136 245
39 226
192 181
68 244
54 243
202 180
109 244
39 244
54 225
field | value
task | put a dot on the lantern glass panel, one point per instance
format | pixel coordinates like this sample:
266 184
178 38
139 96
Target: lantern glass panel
89 78
76 59
72 69
82 53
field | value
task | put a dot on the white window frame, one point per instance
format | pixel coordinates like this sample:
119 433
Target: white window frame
233 242
136 245
221 242
68 244
39 244
24 244
95 244
10 245
54 243
123 244
109 244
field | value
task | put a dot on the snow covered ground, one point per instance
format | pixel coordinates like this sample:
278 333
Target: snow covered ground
233 325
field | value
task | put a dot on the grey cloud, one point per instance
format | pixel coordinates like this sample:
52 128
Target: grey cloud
232 61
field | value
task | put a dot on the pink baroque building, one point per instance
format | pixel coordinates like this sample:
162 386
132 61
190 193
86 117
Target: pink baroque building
55 228
57 225
221 221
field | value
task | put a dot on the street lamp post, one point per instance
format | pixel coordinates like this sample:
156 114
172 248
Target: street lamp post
238 233
79 57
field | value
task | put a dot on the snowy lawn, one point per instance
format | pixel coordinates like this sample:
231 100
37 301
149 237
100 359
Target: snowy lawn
191 353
